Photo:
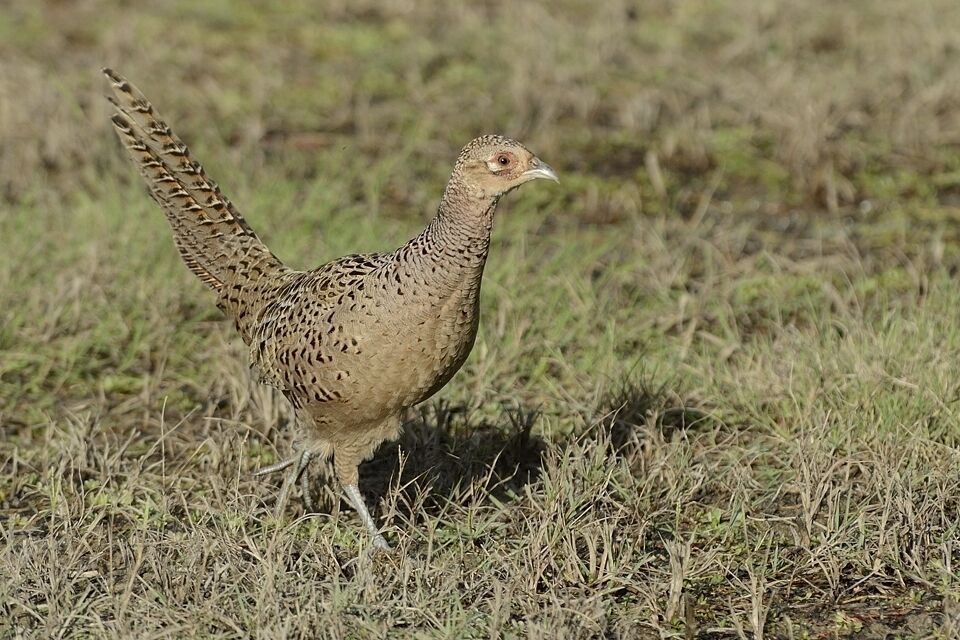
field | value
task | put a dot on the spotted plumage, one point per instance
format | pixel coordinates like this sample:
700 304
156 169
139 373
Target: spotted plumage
354 342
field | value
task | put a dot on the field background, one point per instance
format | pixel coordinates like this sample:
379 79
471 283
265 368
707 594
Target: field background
715 390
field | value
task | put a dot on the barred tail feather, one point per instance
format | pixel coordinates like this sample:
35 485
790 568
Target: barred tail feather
213 239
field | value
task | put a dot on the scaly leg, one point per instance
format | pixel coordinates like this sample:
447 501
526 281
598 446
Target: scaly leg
356 501
347 457
308 504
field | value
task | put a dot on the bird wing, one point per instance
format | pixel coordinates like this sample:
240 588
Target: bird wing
292 334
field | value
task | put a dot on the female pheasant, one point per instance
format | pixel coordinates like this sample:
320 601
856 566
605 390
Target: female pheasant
352 343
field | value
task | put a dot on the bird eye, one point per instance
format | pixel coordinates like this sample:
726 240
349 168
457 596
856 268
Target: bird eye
503 159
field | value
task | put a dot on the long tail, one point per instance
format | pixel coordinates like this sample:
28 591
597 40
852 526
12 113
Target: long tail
214 240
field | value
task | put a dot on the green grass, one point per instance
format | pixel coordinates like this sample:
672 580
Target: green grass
714 392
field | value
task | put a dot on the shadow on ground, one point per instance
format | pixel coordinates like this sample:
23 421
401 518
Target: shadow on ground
446 451
635 406
443 451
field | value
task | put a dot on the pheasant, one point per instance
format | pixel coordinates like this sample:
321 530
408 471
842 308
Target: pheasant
355 342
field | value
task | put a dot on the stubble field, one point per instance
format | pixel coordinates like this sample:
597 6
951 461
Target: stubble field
715 390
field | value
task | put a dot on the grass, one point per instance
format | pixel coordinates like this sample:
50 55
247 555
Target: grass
714 393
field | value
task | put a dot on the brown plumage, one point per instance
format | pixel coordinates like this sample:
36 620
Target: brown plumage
352 343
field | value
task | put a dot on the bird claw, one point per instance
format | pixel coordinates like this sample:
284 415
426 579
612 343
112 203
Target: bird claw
377 550
273 468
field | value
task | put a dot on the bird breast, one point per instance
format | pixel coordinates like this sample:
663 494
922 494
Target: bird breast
403 338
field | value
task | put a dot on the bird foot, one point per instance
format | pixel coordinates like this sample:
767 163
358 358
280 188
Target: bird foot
302 459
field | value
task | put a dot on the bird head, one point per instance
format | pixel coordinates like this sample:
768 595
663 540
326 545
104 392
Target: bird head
490 166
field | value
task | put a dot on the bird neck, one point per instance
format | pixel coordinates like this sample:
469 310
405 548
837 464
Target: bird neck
452 251
461 229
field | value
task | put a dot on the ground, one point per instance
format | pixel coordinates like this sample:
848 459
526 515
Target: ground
715 390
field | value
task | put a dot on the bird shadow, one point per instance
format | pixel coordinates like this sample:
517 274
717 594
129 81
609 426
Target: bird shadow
449 453
445 451
636 407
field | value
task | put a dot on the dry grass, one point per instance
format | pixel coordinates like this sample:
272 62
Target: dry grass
714 394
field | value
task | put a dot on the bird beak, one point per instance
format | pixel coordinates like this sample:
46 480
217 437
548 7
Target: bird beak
540 169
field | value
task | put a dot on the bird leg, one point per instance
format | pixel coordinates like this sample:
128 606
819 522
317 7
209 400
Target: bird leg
356 501
302 459
305 458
